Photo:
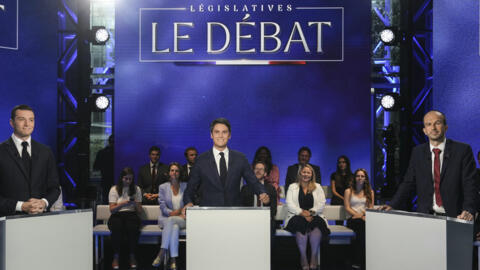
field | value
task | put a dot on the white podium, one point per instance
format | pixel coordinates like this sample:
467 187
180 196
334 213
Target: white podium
414 241
234 238
54 241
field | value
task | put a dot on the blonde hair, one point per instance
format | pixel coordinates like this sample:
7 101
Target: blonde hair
311 186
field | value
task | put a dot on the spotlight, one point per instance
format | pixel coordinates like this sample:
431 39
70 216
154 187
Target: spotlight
99 35
99 103
389 36
390 102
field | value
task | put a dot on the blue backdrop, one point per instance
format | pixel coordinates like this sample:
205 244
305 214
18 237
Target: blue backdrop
456 68
325 106
28 75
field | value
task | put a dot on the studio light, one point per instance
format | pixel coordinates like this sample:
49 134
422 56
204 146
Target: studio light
100 103
99 35
389 36
390 102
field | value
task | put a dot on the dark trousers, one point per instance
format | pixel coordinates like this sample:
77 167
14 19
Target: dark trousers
123 224
358 226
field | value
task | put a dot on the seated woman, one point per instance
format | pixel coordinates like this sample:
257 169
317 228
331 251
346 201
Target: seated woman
171 219
339 181
264 155
305 202
125 199
358 197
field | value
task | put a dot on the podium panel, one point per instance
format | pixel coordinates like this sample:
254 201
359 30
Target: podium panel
403 240
234 238
59 240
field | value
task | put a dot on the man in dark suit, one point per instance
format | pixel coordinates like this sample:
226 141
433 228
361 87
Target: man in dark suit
478 169
104 163
28 173
219 171
151 175
249 198
441 172
191 154
304 155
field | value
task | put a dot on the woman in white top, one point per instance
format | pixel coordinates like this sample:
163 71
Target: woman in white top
171 219
305 203
125 199
358 197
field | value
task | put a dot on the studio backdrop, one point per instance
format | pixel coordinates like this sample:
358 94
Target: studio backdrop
285 73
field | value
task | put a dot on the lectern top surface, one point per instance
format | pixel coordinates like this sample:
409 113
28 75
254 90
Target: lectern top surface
416 214
49 213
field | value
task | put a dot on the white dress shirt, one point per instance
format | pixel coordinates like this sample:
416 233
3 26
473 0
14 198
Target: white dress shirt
217 156
441 146
18 144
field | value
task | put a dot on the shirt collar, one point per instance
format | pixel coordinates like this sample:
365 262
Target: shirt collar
441 146
216 152
18 142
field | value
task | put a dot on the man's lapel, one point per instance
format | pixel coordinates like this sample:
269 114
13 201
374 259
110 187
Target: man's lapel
12 150
213 170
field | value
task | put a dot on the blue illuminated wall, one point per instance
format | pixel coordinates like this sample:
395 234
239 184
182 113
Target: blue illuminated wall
28 74
457 68
325 106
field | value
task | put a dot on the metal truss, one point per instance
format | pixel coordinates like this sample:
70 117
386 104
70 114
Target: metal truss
72 120
407 70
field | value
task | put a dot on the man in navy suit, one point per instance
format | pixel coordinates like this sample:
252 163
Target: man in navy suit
28 173
441 172
304 155
218 172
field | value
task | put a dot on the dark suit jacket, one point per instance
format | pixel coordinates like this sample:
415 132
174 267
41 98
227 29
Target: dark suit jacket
15 184
145 180
292 173
458 185
248 199
205 175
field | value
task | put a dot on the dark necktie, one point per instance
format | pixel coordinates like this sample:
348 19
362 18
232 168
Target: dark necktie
436 176
27 162
154 175
223 168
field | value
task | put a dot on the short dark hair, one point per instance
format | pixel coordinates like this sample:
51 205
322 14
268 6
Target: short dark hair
223 121
20 107
154 148
189 149
260 162
305 148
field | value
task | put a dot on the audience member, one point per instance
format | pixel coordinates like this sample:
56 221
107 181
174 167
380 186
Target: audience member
339 181
264 155
442 172
125 200
305 203
151 175
191 154
478 159
219 171
304 155
171 218
28 172
250 199
104 163
358 197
